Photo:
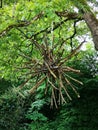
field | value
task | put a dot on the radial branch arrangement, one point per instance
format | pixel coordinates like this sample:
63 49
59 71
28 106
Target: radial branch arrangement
44 53
51 70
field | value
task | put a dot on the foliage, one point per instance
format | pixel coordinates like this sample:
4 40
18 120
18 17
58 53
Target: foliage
91 63
40 54
4 85
12 110
78 113
32 113
16 46
35 115
38 42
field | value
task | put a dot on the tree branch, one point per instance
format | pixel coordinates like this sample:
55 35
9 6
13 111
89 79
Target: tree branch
69 15
22 24
72 54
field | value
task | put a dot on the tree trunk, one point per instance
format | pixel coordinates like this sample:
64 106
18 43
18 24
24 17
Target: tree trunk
89 18
92 23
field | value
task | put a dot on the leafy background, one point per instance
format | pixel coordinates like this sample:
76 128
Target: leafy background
20 111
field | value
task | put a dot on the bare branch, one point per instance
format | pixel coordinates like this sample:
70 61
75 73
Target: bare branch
73 88
32 90
52 73
54 98
75 51
62 86
52 84
74 79
66 68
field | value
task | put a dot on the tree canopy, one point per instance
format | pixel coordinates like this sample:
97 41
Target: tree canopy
38 38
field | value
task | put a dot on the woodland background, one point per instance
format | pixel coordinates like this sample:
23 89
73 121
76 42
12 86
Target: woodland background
49 65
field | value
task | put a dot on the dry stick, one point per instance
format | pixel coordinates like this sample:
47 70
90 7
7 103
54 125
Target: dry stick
51 102
72 87
72 54
59 99
71 69
34 73
61 95
52 84
36 86
37 45
30 66
26 81
46 89
22 53
62 86
74 79
50 71
66 70
53 96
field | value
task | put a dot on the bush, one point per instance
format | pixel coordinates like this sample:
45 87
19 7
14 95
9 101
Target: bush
4 85
12 110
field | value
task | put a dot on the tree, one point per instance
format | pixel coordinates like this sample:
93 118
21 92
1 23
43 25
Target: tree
37 43
88 17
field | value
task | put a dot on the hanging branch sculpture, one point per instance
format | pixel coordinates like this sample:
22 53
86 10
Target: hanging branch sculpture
52 71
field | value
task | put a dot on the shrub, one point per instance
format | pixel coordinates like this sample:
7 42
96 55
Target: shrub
12 110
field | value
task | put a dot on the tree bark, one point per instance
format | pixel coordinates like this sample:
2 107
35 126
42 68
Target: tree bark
89 18
92 23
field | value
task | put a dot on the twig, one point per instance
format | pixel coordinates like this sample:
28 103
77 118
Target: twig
72 87
74 33
62 86
48 29
32 90
53 96
50 71
74 79
71 55
61 96
52 85
66 68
